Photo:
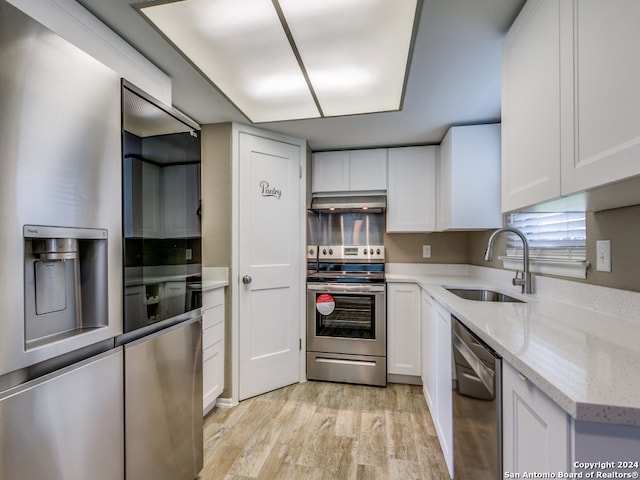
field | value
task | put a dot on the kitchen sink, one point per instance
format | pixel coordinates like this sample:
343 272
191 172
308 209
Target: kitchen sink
482 295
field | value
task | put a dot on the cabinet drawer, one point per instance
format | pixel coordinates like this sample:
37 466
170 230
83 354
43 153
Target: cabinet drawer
212 298
211 351
212 335
213 316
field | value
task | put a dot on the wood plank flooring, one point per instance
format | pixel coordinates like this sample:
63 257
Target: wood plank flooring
322 430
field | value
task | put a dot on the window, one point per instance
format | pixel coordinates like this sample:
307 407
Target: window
557 243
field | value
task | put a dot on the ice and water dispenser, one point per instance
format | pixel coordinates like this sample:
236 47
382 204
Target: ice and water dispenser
65 282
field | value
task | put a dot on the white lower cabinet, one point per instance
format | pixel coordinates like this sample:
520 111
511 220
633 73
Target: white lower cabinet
539 436
429 345
212 347
536 431
443 417
403 329
437 372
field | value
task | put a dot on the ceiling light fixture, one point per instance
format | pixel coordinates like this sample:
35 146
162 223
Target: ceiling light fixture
290 59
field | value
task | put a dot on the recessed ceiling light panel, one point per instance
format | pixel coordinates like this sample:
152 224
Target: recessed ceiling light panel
241 47
355 52
290 59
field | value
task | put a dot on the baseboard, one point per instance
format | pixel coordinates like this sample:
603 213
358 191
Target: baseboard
406 379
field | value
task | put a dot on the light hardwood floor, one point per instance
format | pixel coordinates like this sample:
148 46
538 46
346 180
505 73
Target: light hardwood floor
321 430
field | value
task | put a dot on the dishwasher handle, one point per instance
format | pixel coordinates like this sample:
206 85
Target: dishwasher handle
485 374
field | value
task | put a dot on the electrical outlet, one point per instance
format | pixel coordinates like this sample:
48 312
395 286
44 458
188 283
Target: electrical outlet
189 254
603 255
426 251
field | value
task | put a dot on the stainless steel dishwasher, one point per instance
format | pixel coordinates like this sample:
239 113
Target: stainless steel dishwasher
477 407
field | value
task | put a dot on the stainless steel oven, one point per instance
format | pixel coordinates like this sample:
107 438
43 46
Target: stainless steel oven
346 318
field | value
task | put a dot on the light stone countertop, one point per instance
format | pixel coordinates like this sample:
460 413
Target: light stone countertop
214 277
213 284
586 360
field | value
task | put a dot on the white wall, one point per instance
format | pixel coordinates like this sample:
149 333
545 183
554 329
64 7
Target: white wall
74 23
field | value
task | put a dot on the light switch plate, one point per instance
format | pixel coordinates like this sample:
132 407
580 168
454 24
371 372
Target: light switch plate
603 255
426 251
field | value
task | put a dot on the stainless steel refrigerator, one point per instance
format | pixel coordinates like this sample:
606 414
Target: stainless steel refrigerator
84 394
162 336
61 376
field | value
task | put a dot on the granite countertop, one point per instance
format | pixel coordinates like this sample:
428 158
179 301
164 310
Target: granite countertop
587 361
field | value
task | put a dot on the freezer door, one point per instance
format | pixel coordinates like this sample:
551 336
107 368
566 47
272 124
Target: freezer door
67 425
163 404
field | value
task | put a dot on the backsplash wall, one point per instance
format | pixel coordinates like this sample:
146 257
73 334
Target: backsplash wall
446 247
620 225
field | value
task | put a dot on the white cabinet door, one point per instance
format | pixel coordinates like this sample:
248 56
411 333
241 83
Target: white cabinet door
403 329
536 431
330 172
350 171
151 209
443 419
181 200
212 347
174 298
606 97
135 306
469 178
531 144
143 212
411 195
368 169
569 99
429 345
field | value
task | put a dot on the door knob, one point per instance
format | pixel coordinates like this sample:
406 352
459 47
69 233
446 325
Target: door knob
246 279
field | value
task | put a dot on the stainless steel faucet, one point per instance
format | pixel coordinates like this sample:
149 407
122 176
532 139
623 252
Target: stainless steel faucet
525 280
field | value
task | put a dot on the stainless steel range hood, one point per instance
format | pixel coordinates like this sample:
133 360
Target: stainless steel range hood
359 203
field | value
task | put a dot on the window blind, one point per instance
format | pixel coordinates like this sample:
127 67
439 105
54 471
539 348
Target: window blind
559 236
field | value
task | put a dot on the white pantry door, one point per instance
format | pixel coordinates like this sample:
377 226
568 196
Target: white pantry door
269 256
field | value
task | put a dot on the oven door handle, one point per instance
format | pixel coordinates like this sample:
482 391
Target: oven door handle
331 288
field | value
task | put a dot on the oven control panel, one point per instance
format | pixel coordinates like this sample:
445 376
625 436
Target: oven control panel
346 253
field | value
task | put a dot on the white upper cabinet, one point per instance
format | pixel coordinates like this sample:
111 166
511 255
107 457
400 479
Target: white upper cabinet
330 172
570 116
411 195
350 171
469 179
531 106
143 210
368 169
603 85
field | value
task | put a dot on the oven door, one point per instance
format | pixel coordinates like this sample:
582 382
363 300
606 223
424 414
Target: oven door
346 318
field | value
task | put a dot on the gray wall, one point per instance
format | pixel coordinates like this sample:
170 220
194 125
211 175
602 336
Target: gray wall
216 217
